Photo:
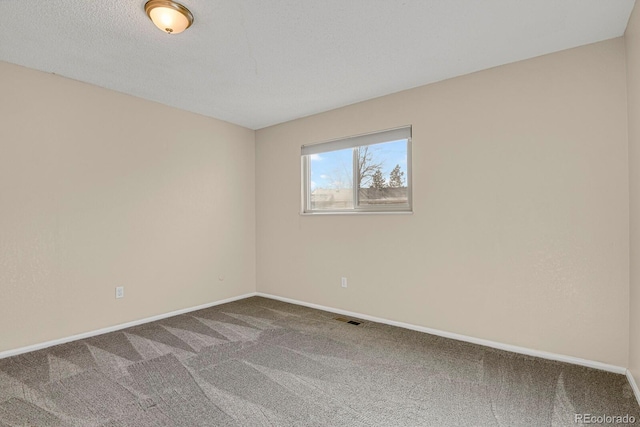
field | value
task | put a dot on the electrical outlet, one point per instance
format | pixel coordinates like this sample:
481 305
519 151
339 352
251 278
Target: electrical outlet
120 292
343 281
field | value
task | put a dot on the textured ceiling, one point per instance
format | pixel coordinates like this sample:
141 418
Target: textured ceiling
262 62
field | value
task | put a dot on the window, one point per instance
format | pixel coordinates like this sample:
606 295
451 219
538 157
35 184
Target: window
364 173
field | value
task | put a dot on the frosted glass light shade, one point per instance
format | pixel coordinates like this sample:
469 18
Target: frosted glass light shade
169 16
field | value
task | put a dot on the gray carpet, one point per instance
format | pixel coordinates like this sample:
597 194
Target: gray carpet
260 362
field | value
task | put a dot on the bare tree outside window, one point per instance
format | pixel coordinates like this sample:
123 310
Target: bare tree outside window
367 167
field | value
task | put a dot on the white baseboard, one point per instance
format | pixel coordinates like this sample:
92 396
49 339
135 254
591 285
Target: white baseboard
34 347
458 337
493 344
634 385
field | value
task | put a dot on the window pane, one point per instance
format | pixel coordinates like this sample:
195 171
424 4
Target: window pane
382 174
331 182
360 174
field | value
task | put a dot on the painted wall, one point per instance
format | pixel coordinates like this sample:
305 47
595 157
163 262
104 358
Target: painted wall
100 189
521 211
632 44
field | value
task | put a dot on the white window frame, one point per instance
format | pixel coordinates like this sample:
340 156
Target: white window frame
355 142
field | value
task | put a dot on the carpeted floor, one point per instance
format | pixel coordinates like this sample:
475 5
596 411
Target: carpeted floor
260 362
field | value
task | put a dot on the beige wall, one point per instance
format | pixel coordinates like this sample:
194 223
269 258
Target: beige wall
632 43
99 189
520 230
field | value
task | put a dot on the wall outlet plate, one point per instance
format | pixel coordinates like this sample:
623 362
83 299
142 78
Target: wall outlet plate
120 292
343 282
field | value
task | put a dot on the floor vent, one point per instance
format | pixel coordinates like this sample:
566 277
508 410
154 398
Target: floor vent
342 319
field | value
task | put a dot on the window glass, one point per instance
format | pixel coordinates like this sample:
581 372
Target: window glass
331 180
382 174
363 173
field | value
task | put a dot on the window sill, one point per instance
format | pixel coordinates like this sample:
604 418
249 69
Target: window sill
356 213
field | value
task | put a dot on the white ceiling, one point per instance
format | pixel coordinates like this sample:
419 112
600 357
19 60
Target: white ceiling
261 62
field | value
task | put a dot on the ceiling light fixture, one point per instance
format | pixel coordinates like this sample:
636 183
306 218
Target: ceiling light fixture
169 16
